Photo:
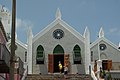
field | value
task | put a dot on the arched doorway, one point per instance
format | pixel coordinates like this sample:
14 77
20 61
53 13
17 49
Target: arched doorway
58 56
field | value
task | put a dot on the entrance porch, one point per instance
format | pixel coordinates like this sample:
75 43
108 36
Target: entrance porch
53 60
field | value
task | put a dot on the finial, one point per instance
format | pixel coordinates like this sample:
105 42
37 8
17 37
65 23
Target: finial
58 14
86 32
101 33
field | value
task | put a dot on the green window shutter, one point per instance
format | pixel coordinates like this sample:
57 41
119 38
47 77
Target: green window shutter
77 51
77 54
40 55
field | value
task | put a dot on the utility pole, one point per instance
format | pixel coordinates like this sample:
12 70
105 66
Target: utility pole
12 56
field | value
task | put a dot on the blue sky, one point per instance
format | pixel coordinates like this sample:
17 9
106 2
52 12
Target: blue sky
77 13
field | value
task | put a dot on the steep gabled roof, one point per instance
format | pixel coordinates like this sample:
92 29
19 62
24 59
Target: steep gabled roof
64 24
19 43
58 20
105 40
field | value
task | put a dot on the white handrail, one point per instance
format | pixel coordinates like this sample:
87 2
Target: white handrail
25 72
93 75
24 75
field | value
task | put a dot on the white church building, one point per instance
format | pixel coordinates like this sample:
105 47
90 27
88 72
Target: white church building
60 42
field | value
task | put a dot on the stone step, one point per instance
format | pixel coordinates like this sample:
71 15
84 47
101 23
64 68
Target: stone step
58 77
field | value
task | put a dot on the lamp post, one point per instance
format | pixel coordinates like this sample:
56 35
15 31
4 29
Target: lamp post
12 57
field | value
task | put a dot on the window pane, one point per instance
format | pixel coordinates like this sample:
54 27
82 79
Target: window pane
77 55
40 55
58 49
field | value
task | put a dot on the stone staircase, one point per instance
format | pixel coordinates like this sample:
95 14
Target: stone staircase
58 77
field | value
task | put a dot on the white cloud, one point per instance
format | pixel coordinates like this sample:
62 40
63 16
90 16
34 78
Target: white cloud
114 31
20 23
23 23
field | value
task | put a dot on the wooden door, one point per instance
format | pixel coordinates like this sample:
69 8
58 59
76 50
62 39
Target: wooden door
50 63
66 61
95 66
109 64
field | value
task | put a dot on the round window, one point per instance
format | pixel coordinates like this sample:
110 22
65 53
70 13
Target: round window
102 46
58 34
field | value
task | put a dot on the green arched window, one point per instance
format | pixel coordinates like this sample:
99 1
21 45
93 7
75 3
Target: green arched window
77 54
40 55
58 50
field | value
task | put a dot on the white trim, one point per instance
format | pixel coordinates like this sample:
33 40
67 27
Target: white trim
45 30
72 30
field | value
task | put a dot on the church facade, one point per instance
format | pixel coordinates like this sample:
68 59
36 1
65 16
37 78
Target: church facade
60 42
